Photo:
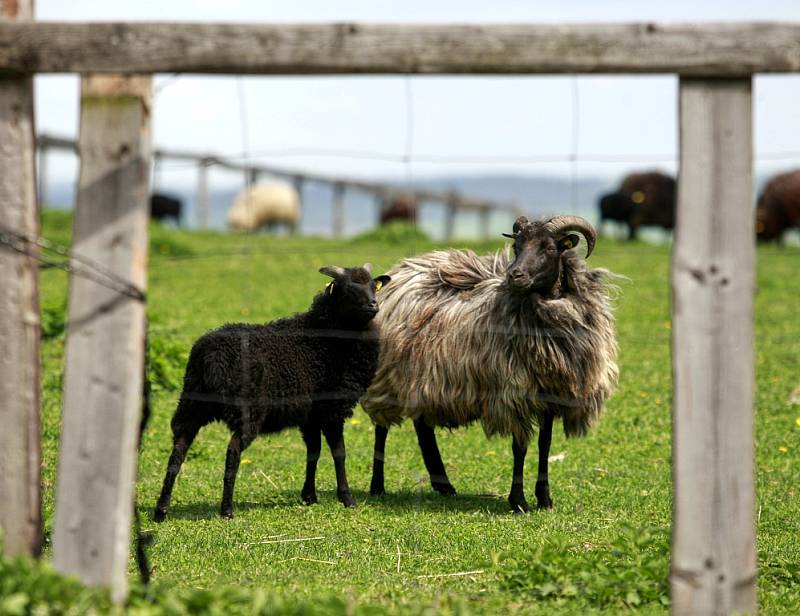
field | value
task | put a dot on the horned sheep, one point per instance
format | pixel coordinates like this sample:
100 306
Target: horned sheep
305 371
510 342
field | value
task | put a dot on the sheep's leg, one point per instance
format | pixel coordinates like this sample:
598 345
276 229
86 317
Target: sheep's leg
334 434
181 444
313 441
543 500
376 486
516 497
235 448
433 459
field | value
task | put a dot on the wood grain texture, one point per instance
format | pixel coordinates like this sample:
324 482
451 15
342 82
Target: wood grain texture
341 48
105 336
713 278
20 435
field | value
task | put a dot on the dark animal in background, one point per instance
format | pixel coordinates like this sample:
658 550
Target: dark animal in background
306 371
512 342
163 207
778 207
400 207
642 200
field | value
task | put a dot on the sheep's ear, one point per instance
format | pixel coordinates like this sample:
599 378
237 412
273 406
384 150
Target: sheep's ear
380 281
334 271
568 241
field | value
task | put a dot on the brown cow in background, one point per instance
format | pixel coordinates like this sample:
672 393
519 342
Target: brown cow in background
401 206
778 206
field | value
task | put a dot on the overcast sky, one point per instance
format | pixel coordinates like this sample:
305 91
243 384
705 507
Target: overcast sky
505 118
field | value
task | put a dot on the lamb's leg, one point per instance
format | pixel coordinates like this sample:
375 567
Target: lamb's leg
543 500
181 443
433 459
376 486
232 458
516 497
334 434
313 441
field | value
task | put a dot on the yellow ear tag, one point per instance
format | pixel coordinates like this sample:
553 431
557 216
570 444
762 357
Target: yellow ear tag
378 285
329 286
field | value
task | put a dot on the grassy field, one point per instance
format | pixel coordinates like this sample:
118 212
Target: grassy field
603 549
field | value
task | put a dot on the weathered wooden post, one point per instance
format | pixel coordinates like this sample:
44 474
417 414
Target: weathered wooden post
713 277
202 193
20 450
338 209
299 182
106 335
450 211
484 220
43 196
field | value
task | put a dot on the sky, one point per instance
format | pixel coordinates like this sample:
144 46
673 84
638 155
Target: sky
366 126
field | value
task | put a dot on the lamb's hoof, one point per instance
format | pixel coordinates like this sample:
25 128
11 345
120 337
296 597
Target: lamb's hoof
445 489
543 500
226 514
377 491
160 515
309 498
347 499
544 503
519 506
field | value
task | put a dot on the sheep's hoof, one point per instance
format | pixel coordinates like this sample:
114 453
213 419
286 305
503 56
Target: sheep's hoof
375 490
347 499
226 513
160 515
309 498
445 489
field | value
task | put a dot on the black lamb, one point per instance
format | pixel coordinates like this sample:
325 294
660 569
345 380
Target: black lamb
306 371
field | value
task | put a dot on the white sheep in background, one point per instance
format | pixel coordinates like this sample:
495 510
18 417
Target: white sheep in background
265 205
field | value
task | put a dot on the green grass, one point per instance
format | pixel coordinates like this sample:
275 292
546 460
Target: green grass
605 547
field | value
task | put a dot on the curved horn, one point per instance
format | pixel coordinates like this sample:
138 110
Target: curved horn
332 270
519 223
562 224
368 267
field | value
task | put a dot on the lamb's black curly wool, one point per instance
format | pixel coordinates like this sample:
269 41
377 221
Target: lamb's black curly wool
305 371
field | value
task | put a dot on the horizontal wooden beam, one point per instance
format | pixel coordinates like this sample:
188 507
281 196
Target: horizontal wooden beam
375 188
708 50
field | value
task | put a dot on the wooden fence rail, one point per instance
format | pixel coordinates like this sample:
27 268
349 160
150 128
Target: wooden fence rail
707 50
713 265
453 202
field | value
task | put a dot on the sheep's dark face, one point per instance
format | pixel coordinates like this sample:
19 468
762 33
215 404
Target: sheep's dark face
352 292
539 249
537 262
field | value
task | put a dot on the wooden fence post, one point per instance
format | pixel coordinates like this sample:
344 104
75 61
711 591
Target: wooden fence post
713 277
450 211
20 449
202 193
338 209
485 216
298 182
105 336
